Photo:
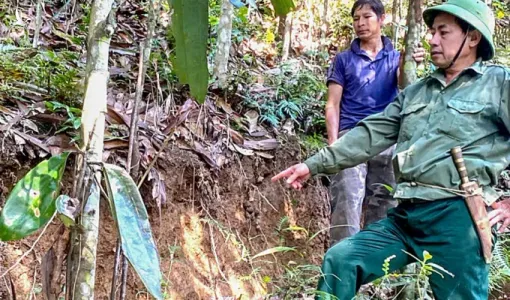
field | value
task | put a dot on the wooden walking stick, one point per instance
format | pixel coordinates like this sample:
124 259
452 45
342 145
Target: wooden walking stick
475 203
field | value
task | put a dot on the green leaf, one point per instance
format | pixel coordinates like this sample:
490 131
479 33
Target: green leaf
76 123
296 228
190 29
67 208
31 203
283 7
132 220
273 250
426 255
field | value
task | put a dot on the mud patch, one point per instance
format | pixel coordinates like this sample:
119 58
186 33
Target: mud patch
215 222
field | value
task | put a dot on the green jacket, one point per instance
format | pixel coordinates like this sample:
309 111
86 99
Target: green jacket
426 120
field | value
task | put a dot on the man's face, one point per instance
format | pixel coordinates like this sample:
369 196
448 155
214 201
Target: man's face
446 37
366 23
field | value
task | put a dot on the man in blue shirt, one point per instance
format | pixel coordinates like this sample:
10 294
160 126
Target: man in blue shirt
362 81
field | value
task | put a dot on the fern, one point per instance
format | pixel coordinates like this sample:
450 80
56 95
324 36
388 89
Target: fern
282 223
499 272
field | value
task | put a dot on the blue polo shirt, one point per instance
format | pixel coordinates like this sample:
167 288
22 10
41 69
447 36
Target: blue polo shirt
368 85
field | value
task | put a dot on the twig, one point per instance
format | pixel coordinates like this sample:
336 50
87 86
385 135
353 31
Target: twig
264 197
31 248
57 269
172 255
115 270
213 246
59 12
124 278
33 284
9 290
134 111
165 144
158 85
78 268
73 7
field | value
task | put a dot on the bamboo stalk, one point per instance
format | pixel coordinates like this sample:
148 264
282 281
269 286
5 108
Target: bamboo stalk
82 262
224 42
38 23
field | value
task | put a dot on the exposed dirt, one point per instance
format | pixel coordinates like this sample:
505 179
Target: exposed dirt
211 226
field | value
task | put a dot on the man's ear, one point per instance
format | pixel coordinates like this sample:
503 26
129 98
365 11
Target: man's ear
382 18
475 37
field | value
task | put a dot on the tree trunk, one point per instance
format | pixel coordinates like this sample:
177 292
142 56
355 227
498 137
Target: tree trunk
324 25
224 42
414 23
287 37
414 20
82 262
395 21
311 23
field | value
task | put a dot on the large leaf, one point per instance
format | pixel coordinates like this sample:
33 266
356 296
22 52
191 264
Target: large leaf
31 203
283 7
132 220
190 29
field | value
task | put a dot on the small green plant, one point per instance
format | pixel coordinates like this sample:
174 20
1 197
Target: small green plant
392 284
426 268
297 93
52 75
73 120
386 265
312 143
299 281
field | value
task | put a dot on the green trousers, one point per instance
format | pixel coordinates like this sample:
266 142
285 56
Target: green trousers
444 228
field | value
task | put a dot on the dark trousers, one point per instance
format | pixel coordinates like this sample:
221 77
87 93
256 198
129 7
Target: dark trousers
444 228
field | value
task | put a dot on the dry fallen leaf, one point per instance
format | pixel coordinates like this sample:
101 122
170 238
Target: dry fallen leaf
268 144
243 151
115 144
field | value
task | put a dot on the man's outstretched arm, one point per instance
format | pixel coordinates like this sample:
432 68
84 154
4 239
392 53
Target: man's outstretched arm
370 137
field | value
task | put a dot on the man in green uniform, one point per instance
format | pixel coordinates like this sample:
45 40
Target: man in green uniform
464 103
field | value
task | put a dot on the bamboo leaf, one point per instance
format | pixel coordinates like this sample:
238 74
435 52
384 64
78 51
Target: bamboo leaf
273 250
135 232
283 7
190 29
31 203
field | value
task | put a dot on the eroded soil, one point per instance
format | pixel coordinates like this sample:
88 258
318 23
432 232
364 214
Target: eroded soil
207 232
